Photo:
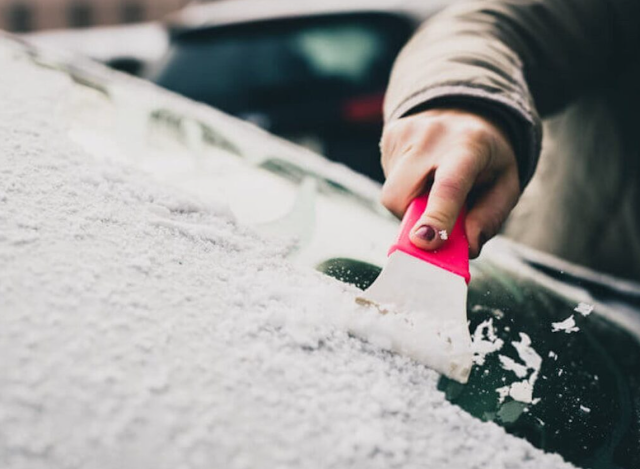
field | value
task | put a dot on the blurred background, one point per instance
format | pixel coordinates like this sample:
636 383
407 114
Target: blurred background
21 16
312 72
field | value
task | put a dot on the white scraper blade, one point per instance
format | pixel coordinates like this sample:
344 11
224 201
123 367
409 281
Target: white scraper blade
432 305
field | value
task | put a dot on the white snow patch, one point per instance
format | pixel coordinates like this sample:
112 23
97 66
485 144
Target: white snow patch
484 341
531 363
443 235
567 326
521 391
584 409
584 308
527 353
510 364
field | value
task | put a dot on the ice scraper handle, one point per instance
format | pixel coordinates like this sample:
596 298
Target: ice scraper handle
454 253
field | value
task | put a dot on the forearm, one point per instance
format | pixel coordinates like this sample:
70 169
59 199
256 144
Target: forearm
511 59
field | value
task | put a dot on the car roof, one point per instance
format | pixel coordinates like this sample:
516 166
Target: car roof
231 12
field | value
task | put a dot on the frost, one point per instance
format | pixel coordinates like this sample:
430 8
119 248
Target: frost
567 326
521 391
584 308
511 365
485 341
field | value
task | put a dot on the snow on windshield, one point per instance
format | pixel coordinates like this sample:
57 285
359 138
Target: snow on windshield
140 327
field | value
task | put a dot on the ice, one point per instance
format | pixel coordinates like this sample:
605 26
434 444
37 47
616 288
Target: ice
142 328
567 326
584 308
527 353
511 365
521 391
484 341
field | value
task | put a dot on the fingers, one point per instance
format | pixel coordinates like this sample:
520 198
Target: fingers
405 183
452 152
407 149
487 215
449 191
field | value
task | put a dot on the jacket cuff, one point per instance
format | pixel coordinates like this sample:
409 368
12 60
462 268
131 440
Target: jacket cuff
521 124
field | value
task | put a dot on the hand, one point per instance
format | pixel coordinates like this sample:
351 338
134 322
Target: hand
466 158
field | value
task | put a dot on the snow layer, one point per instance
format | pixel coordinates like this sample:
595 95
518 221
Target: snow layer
584 308
567 326
141 328
485 341
531 363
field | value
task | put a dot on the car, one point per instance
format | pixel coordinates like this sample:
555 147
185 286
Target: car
160 304
130 48
315 73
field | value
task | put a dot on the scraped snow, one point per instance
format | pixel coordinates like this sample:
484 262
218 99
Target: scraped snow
527 353
584 308
511 365
484 341
529 369
142 328
567 326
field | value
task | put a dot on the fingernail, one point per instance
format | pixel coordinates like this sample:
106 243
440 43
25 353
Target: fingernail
427 233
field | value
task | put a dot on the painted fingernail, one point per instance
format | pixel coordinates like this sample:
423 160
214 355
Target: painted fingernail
427 233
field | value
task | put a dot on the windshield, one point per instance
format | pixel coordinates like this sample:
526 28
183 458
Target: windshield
236 67
575 391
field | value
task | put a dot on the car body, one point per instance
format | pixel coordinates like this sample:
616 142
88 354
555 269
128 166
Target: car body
128 48
315 73
184 398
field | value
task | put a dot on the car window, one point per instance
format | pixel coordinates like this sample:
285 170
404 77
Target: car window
345 51
583 382
238 67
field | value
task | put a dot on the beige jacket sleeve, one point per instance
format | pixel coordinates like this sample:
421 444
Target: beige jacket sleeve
516 60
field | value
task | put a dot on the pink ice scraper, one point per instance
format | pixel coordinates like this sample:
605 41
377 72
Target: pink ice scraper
428 289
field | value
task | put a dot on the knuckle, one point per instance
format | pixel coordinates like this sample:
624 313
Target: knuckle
452 187
478 131
478 137
438 218
405 129
390 200
434 126
391 129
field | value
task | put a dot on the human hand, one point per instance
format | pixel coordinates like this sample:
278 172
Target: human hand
466 158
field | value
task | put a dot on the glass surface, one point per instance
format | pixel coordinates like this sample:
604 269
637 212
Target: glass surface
586 395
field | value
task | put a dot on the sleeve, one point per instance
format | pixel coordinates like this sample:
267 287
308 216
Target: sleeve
515 60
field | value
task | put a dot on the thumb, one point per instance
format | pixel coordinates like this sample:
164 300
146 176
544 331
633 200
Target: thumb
448 194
